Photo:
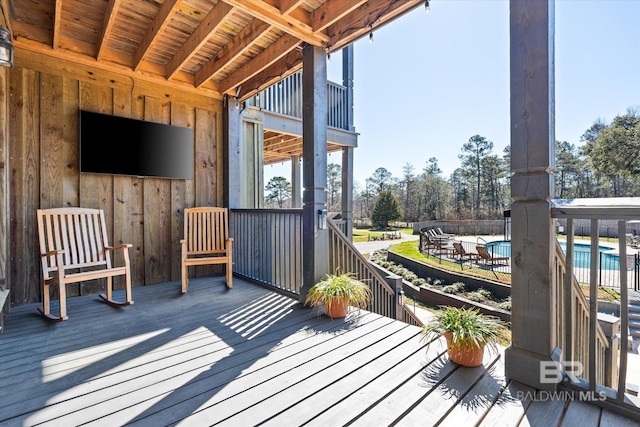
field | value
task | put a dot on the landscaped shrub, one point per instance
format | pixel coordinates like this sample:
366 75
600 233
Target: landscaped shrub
485 293
450 289
436 282
409 276
419 282
476 296
505 305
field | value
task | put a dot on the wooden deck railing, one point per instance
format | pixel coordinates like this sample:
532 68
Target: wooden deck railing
580 335
285 98
268 246
575 345
268 249
344 257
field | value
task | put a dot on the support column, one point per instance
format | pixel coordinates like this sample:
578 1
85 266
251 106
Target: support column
296 201
347 190
315 240
233 153
347 152
347 81
533 293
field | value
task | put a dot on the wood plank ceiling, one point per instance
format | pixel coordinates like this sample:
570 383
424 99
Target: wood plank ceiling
216 47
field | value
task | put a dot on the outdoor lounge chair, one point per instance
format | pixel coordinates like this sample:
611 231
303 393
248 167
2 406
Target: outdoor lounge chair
458 250
487 257
441 247
443 234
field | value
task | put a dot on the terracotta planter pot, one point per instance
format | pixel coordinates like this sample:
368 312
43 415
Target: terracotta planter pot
338 309
465 356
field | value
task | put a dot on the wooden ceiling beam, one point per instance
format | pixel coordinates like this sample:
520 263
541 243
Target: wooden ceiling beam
280 69
332 11
240 44
287 23
57 24
38 52
370 15
107 27
275 51
288 6
160 22
211 23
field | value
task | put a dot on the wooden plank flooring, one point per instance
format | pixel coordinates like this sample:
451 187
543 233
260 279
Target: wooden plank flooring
248 356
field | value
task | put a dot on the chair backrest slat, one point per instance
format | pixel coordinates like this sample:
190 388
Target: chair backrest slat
79 232
206 230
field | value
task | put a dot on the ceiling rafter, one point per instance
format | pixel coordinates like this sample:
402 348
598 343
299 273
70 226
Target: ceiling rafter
287 6
287 23
362 20
211 23
57 24
107 26
240 44
282 68
332 11
264 59
161 21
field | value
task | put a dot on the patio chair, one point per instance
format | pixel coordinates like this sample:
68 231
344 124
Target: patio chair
443 234
462 253
74 248
206 241
442 247
487 257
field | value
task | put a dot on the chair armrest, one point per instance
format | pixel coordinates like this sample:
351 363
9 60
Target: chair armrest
54 252
183 241
229 239
123 246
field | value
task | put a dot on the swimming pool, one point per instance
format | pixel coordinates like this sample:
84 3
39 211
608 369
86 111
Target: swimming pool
581 254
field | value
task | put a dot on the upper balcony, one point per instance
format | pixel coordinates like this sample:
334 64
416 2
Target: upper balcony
281 105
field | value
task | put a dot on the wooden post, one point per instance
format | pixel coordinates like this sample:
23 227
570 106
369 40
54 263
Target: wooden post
296 201
347 190
232 132
315 239
534 329
347 152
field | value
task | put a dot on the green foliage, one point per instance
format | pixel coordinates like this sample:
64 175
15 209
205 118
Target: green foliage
278 191
505 305
344 285
476 297
468 327
419 282
385 210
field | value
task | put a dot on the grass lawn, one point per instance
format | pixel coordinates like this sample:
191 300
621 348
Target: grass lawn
366 235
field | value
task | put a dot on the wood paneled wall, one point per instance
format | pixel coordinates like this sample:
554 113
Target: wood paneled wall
42 122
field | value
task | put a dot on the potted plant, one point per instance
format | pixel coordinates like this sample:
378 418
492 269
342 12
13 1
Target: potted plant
467 333
336 292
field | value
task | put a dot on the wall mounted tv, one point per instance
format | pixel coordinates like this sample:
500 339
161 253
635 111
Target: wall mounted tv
121 146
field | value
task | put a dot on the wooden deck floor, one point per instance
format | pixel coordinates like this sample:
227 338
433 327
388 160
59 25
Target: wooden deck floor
248 356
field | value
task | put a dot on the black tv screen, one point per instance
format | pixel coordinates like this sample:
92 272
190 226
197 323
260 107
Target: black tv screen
122 146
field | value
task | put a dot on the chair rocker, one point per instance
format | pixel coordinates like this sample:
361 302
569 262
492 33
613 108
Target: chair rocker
206 241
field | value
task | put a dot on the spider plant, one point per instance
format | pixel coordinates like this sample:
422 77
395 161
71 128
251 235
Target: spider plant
339 291
465 329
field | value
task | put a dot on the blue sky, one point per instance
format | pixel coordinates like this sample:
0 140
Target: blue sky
429 82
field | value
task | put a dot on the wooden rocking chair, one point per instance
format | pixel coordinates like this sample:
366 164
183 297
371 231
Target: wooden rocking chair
206 241
74 248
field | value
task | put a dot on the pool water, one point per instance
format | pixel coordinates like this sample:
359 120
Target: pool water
581 254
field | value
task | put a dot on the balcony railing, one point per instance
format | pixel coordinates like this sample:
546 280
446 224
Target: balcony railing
285 98
268 249
580 336
268 246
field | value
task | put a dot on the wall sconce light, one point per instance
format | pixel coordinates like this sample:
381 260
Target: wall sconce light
322 219
6 48
400 297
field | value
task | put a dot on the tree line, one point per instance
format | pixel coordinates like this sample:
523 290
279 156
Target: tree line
606 164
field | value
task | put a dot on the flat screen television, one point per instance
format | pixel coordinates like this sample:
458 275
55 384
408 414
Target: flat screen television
122 146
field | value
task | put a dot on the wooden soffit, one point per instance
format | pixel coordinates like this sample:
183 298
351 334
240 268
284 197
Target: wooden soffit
216 47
